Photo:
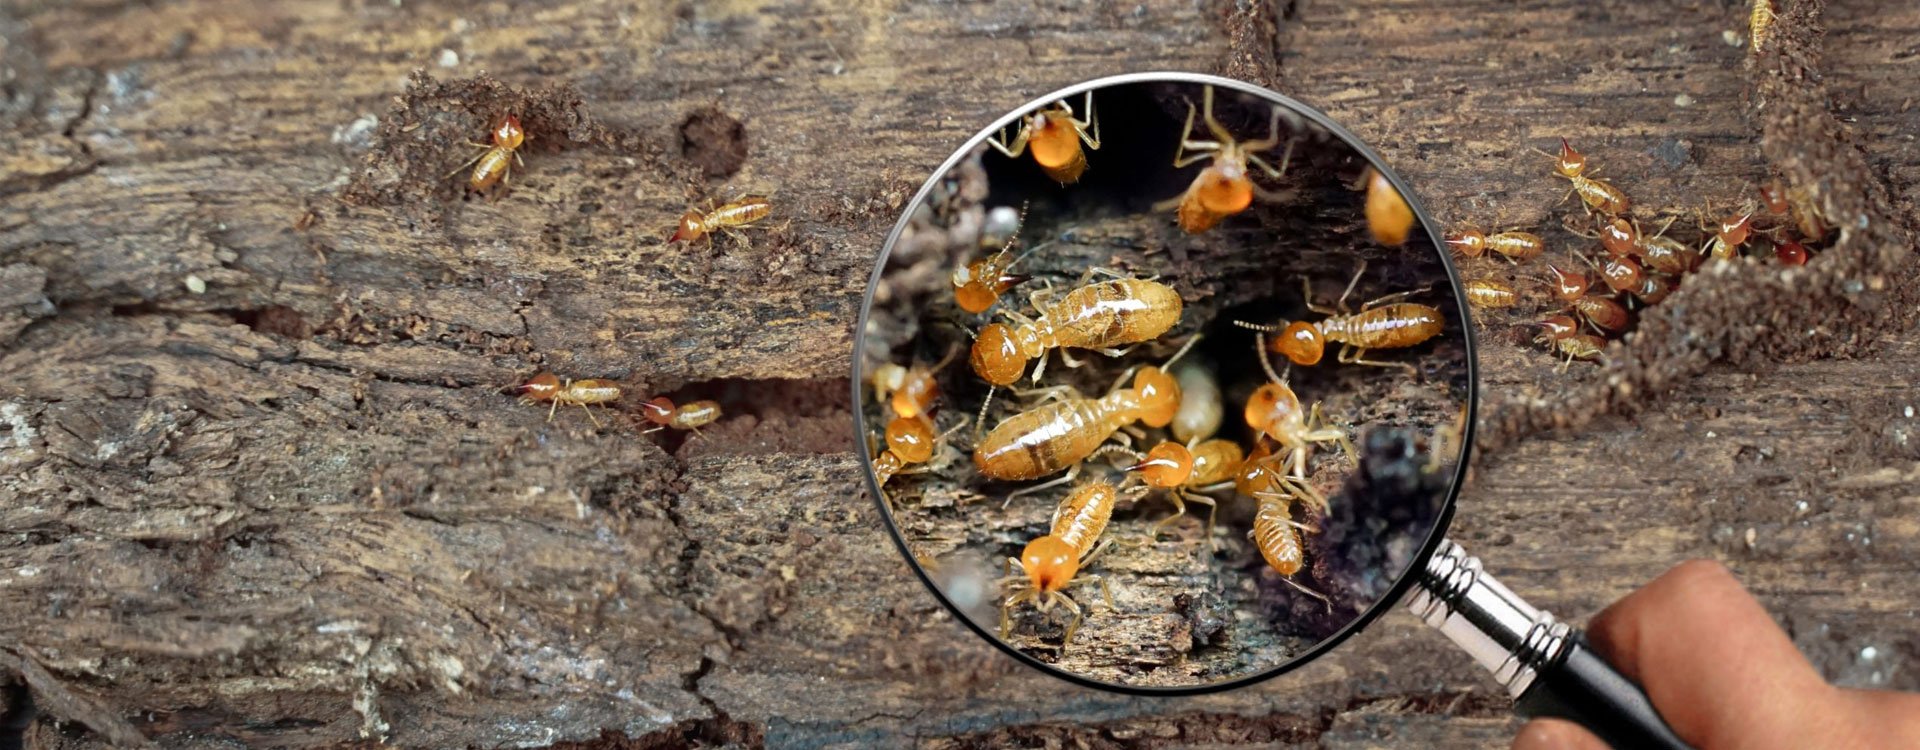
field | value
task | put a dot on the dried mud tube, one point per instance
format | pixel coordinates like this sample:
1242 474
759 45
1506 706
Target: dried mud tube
1859 286
1055 350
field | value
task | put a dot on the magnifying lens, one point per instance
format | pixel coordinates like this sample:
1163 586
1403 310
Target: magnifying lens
1165 384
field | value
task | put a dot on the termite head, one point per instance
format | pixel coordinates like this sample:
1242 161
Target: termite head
659 410
1621 274
1570 163
1255 473
977 285
1388 215
1566 284
1273 409
1619 237
1224 189
915 393
996 357
911 438
1471 243
508 134
1791 253
1300 342
1558 327
1159 396
1167 465
1775 197
1053 141
887 378
1734 229
690 228
1050 563
541 388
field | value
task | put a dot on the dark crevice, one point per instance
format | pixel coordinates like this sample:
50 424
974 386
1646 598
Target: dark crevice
17 718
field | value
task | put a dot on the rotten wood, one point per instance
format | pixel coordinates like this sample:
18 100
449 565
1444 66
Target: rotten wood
292 510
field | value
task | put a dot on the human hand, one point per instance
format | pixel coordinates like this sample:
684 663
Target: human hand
1724 675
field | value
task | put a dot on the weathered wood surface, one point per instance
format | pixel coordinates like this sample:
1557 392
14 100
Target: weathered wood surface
291 510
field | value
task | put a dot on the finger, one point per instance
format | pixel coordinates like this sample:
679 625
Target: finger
1712 660
1555 734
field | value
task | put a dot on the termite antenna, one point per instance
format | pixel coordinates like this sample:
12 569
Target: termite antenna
1260 350
1194 339
980 423
1257 326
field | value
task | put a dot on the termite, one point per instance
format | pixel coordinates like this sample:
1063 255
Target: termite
693 416
1223 188
1597 195
1381 323
1060 434
1099 316
1578 346
1653 290
1791 253
911 391
1622 238
546 387
1729 236
1274 411
1603 313
1514 246
1760 23
1201 408
1051 563
494 164
978 285
1185 471
1274 531
1388 215
910 440
1491 294
1557 327
1054 137
696 224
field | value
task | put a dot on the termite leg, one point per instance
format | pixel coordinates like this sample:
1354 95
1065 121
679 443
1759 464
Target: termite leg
1358 356
1068 603
1309 592
1019 140
1397 296
1072 474
589 412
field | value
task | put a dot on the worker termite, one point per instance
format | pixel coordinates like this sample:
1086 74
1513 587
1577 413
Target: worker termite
1187 470
1060 434
698 224
1051 563
1274 411
1760 23
1514 246
546 387
1098 316
1274 531
911 391
1200 409
1223 188
1381 323
978 285
910 440
1491 294
693 416
1054 137
1595 194
1388 215
1584 346
494 164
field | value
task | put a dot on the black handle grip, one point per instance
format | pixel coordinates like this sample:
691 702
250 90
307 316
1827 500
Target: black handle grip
1583 688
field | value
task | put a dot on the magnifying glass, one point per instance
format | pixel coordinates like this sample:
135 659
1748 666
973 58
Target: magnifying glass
1165 384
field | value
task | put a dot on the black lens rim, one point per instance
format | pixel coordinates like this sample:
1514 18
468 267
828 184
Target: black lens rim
1406 578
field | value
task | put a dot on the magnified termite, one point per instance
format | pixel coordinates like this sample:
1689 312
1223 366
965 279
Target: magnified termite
1274 531
1595 195
1186 471
1389 217
1382 323
1049 564
911 390
494 164
549 388
1223 188
978 285
1515 246
697 224
691 416
1054 137
1068 428
1101 317
1274 411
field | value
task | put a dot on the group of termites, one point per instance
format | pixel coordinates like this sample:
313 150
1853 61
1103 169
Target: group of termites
1633 270
1176 407
492 170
